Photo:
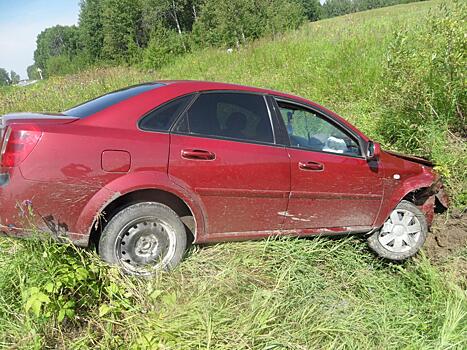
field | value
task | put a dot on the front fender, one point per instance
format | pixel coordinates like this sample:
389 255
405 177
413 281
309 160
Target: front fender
397 190
133 182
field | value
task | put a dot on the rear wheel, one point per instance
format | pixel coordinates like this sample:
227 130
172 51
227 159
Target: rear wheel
402 235
143 238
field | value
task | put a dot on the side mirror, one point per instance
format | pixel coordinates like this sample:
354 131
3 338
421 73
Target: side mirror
373 150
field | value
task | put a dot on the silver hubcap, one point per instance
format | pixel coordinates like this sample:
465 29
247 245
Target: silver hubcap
401 232
144 244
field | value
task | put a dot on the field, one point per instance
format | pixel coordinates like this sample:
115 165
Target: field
274 294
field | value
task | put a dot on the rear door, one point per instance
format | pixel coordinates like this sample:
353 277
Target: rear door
332 184
223 150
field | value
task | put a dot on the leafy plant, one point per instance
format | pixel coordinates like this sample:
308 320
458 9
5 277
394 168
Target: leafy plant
425 93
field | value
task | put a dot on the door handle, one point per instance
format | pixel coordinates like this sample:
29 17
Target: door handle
198 154
313 166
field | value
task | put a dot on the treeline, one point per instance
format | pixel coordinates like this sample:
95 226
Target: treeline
6 78
151 33
333 8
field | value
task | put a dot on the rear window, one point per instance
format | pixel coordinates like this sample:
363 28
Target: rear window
100 103
161 119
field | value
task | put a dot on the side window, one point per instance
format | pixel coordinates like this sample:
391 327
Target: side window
237 116
309 130
161 118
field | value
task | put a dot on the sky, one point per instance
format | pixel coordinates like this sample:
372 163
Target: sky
20 23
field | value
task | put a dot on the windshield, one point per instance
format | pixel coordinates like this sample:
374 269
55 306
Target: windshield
98 104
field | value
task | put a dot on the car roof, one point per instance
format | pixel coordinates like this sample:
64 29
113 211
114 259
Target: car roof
201 85
193 86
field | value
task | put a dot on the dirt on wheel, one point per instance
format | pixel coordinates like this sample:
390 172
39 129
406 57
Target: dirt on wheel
448 235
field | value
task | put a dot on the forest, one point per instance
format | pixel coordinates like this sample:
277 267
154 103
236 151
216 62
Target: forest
151 33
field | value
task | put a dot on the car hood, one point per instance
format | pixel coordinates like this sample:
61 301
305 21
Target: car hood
414 159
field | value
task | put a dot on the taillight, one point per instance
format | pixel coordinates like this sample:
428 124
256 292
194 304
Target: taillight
18 143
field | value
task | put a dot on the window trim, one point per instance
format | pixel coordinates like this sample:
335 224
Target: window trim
219 137
282 137
140 120
326 117
270 119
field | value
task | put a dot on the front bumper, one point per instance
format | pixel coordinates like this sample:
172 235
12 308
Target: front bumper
431 199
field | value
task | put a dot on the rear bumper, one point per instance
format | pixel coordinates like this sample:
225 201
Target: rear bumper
68 237
18 218
4 179
12 214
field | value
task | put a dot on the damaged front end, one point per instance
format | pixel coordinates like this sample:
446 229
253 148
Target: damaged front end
430 199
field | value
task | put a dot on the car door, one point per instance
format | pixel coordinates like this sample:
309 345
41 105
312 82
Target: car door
222 150
332 184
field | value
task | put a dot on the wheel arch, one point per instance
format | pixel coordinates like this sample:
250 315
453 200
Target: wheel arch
138 188
174 202
419 190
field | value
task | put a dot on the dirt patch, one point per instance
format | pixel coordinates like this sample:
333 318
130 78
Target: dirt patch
448 235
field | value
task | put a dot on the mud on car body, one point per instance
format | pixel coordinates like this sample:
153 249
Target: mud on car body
139 171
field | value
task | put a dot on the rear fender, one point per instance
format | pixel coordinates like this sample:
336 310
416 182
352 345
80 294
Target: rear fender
133 182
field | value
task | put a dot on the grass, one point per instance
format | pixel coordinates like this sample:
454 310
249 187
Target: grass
335 62
273 294
276 294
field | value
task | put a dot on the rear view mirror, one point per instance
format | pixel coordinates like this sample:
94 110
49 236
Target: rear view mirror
373 150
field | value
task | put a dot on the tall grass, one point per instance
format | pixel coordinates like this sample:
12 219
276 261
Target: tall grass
425 96
337 62
274 294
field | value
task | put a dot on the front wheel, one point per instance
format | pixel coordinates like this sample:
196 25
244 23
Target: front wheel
143 238
402 235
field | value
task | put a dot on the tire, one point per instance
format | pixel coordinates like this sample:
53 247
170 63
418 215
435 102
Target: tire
143 238
402 235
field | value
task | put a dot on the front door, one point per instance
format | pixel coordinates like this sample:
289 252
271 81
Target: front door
222 150
332 184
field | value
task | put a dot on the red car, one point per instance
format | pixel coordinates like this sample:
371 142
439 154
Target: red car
140 171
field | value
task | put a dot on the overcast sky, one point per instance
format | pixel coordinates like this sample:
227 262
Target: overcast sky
20 23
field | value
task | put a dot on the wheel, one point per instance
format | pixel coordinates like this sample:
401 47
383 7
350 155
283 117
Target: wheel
143 238
402 235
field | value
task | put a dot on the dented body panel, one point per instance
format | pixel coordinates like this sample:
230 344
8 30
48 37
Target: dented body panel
248 190
403 178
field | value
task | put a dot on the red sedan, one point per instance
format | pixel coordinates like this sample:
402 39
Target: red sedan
140 171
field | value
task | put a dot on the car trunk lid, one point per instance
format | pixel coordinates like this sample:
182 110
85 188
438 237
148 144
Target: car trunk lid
27 117
34 118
